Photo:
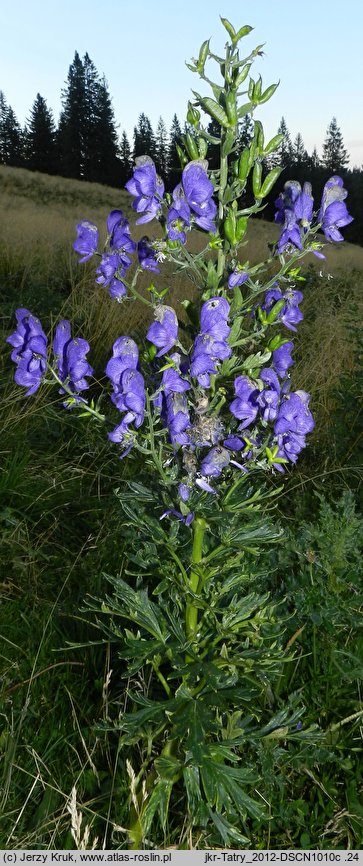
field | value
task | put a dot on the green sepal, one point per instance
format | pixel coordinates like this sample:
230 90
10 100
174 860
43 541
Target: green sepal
267 93
243 31
259 136
211 107
202 147
276 309
203 54
212 277
251 90
261 315
241 228
244 109
256 179
229 227
151 351
241 76
273 144
183 159
277 342
191 145
257 89
244 164
228 142
193 115
270 180
231 106
230 29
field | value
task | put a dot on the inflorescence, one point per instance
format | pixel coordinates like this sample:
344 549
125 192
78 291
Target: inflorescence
215 416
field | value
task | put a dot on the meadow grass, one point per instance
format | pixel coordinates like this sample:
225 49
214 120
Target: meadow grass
60 530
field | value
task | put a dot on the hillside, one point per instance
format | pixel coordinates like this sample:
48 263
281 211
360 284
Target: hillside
42 209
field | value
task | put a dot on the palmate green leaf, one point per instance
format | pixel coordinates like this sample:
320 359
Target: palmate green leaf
158 803
227 832
192 787
241 609
134 490
168 767
137 607
223 787
255 362
262 533
151 712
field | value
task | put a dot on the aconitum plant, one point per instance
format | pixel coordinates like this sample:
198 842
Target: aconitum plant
205 412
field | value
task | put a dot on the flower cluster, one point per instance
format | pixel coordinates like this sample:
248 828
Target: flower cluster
255 417
192 199
30 351
147 189
70 358
31 357
128 390
295 208
287 312
211 345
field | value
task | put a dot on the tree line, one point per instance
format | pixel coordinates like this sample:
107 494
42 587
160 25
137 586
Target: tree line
86 145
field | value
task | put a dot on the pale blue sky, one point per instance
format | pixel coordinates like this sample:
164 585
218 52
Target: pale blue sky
314 48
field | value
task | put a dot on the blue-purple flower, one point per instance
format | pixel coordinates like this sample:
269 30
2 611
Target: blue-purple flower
128 390
290 314
245 406
198 190
214 462
147 256
333 214
110 272
29 351
87 241
268 399
282 360
237 277
70 356
294 415
211 344
164 331
147 189
295 211
120 239
175 416
178 216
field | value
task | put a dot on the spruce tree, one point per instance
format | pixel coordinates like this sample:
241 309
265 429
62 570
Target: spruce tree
40 135
125 160
87 132
284 154
335 156
174 168
161 149
245 133
299 153
144 140
214 129
11 139
72 122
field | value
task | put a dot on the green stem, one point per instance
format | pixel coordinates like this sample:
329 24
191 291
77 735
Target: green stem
83 404
134 291
199 528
